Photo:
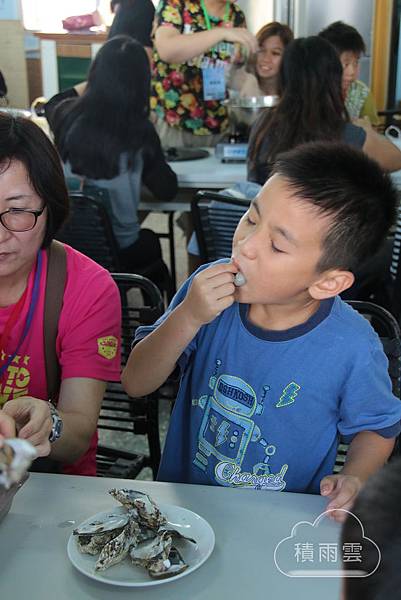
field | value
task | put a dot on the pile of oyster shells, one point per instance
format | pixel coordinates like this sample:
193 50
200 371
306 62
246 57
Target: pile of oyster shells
141 532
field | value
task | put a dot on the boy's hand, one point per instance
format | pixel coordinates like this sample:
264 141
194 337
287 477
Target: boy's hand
342 491
211 292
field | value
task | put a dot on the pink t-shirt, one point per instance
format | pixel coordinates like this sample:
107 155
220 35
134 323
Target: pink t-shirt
88 340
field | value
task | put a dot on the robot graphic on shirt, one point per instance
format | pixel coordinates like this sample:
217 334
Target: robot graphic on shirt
227 426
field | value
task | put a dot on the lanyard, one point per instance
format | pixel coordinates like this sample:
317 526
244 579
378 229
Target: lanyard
206 15
15 313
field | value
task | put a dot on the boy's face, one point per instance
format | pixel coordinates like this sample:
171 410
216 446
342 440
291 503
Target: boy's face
277 246
350 64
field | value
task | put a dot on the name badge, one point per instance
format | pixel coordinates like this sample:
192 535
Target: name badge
214 83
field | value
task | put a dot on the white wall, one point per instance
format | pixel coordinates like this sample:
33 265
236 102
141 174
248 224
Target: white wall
257 12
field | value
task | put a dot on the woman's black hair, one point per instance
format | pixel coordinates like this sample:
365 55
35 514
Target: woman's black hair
23 141
111 117
311 106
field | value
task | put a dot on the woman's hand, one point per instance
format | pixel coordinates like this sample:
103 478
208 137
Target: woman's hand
241 36
211 292
33 421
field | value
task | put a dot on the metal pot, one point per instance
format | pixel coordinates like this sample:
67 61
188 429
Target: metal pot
243 111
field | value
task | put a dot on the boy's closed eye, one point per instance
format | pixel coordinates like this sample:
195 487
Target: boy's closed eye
275 249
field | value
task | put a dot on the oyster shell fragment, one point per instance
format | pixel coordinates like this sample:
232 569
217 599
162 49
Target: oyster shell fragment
16 456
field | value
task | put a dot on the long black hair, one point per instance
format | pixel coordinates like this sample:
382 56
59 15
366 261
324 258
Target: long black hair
111 117
311 106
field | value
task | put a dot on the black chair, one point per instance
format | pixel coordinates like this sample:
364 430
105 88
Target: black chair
215 218
388 330
119 412
89 230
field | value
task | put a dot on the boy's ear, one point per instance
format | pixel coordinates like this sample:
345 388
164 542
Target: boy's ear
331 283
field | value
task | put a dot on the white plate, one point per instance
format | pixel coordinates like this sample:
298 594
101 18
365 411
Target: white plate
126 574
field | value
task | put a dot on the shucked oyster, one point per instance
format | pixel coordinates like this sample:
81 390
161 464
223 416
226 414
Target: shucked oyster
16 456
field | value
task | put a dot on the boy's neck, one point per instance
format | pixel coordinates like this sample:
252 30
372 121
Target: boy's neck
278 317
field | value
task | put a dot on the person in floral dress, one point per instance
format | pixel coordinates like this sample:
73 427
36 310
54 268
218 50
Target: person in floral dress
195 45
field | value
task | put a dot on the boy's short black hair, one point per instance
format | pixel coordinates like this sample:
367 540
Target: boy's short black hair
22 140
344 38
351 188
378 509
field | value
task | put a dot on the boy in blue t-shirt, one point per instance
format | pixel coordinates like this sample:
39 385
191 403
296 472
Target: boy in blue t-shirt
274 370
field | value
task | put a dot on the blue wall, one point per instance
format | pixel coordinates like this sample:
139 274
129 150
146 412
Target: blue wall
9 10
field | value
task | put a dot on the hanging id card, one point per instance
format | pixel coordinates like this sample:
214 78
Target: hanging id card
214 83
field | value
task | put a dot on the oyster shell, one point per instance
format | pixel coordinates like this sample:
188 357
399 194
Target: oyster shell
147 510
16 456
127 497
173 565
157 549
117 549
175 533
108 523
93 544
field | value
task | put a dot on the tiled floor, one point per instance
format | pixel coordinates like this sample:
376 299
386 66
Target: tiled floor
138 443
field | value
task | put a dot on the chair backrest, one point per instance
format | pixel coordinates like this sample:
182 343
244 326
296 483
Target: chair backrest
388 330
88 229
215 218
142 304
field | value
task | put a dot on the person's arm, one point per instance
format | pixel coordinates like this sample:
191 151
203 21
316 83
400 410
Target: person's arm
154 358
79 406
369 110
174 47
381 149
368 452
54 102
157 174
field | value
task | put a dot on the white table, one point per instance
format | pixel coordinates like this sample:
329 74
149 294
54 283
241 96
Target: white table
208 173
247 524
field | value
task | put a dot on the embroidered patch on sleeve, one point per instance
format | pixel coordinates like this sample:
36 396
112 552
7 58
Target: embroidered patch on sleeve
107 346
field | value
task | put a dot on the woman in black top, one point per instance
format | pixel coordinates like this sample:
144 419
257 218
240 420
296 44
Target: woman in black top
311 107
105 137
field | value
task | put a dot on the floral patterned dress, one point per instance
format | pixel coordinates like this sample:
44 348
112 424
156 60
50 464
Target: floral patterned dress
177 89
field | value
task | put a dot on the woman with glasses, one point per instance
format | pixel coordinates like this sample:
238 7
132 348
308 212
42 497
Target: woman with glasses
33 206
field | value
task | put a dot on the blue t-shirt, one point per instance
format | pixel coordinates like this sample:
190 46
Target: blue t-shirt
264 409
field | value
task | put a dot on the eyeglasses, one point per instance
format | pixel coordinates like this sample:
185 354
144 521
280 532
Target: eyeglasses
20 219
